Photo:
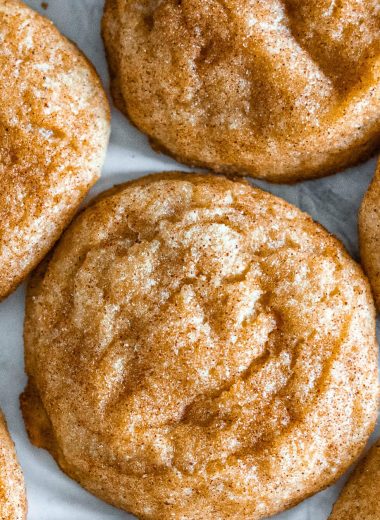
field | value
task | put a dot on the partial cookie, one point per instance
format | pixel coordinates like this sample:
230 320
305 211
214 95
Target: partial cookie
12 491
198 348
54 127
282 90
369 235
360 499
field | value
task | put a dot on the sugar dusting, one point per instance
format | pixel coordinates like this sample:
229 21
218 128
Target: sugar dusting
12 491
215 333
53 133
257 87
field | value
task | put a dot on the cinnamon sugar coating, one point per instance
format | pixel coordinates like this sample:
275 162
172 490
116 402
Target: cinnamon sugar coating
12 491
360 498
198 348
54 126
369 234
282 90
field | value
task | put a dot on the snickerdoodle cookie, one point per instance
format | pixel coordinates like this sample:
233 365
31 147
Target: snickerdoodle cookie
360 499
197 348
54 126
369 234
12 491
282 90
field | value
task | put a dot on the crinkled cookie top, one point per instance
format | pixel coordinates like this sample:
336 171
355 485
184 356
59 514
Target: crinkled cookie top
202 347
54 125
279 89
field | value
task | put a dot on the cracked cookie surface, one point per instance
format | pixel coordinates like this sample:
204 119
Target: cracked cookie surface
12 491
54 126
278 89
198 348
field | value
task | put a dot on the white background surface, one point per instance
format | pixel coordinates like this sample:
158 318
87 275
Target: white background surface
333 202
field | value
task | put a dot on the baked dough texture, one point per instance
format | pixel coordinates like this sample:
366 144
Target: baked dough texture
54 126
360 499
369 235
197 348
12 491
282 90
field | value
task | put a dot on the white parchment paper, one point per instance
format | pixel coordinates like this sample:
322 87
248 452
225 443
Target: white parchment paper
333 202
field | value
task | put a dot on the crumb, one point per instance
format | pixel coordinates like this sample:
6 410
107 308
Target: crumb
44 5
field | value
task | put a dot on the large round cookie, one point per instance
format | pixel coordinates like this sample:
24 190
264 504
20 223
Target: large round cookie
197 348
360 499
282 90
369 234
12 491
54 126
